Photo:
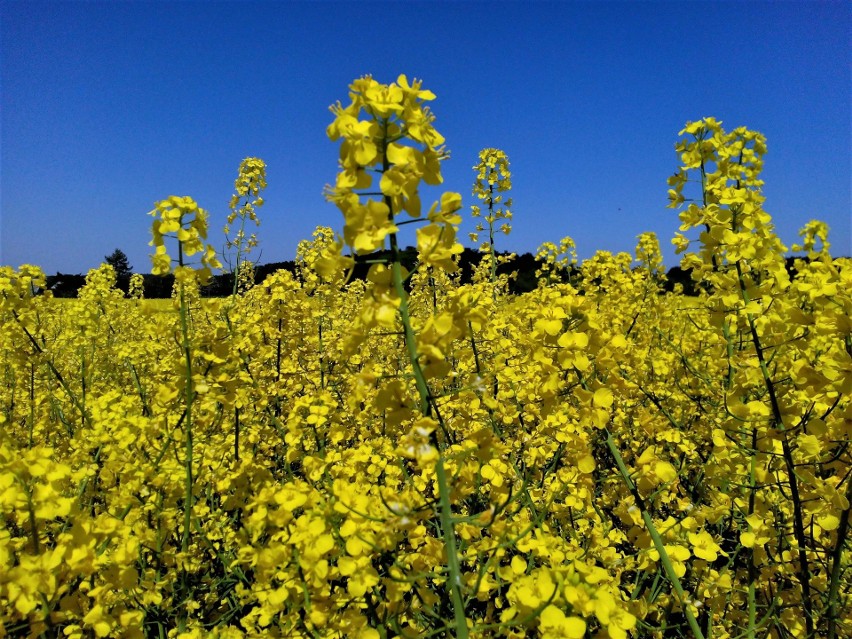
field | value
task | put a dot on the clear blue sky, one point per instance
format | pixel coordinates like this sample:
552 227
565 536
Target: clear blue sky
110 106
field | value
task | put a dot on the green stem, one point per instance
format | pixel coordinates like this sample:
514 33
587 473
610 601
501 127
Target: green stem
84 414
491 238
454 581
454 584
837 567
239 257
655 536
752 569
188 478
798 516
187 354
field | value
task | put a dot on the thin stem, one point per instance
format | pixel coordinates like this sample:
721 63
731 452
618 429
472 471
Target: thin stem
837 569
446 517
655 536
84 414
798 515
187 509
752 568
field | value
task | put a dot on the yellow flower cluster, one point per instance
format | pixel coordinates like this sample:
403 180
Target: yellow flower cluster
181 218
493 179
250 181
396 139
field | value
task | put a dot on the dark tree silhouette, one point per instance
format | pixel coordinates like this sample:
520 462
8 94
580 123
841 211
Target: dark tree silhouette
118 260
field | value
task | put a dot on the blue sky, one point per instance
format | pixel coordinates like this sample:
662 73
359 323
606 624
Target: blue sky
108 107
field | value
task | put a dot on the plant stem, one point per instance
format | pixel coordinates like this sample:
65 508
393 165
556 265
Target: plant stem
752 569
655 536
837 568
778 419
187 354
454 581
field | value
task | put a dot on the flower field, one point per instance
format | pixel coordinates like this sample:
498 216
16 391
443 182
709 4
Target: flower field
411 456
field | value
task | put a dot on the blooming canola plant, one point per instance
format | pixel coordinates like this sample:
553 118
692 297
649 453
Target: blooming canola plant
415 456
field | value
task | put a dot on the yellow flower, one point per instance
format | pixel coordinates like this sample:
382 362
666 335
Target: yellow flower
704 547
367 226
99 621
555 625
436 247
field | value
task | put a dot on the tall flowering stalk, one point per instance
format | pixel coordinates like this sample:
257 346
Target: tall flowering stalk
397 141
770 397
182 219
244 204
493 180
246 200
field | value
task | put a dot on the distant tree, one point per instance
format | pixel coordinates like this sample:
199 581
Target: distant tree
118 260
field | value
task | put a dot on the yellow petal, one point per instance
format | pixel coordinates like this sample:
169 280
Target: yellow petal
602 398
828 522
586 464
665 471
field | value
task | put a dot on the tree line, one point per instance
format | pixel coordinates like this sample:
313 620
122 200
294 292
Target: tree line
521 269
